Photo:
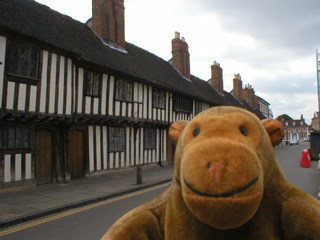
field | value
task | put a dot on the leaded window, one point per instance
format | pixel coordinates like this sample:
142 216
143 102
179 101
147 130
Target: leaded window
24 60
124 90
149 138
117 139
14 137
159 98
182 104
93 83
198 107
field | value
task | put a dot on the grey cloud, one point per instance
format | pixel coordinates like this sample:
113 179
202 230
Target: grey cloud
289 84
281 24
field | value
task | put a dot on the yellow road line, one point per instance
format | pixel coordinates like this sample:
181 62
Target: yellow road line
82 209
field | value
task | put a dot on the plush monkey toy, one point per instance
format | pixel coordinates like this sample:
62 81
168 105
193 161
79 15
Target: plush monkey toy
227 185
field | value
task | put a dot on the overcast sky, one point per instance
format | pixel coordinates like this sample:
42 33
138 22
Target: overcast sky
271 43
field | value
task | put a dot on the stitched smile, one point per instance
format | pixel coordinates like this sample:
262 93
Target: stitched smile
222 195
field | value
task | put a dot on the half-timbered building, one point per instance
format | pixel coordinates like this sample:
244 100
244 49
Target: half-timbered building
77 100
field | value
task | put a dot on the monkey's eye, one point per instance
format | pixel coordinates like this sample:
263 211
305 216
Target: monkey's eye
243 131
196 131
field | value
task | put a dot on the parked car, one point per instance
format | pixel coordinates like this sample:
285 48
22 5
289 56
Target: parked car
306 139
294 142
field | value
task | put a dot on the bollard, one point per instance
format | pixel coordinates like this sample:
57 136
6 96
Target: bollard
139 174
319 162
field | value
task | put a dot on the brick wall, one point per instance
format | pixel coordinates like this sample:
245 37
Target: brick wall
180 55
108 21
216 77
248 94
237 87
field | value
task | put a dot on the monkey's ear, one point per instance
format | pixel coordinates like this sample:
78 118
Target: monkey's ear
176 129
274 129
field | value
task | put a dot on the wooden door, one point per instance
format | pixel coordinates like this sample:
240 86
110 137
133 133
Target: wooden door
76 155
43 157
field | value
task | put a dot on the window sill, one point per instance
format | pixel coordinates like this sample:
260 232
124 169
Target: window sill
22 79
161 108
183 111
115 151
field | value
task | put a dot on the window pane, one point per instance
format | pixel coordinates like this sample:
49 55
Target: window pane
18 137
118 88
124 90
150 138
26 137
129 97
159 99
122 140
155 99
116 139
89 83
11 137
14 57
95 90
111 139
34 62
25 60
163 99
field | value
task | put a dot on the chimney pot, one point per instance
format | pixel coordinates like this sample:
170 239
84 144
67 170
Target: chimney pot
177 35
183 39
237 76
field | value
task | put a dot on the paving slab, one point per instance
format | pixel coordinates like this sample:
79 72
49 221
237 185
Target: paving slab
23 205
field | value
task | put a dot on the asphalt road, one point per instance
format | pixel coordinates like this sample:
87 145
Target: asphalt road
307 179
93 221
86 223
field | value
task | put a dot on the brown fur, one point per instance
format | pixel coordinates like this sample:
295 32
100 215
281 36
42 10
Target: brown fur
227 185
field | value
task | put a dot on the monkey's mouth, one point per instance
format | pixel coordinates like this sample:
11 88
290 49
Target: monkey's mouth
222 195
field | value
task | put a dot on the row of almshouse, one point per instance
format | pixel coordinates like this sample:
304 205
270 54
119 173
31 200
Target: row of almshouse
77 100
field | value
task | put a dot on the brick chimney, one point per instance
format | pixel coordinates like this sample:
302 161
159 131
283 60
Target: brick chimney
108 21
180 55
248 94
237 87
216 77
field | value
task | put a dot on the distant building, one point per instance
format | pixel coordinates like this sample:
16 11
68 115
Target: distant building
247 94
296 129
240 97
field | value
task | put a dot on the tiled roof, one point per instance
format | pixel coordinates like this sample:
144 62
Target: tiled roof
205 90
253 110
232 99
39 22
50 28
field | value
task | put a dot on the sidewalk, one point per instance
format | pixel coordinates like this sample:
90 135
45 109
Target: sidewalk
24 205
